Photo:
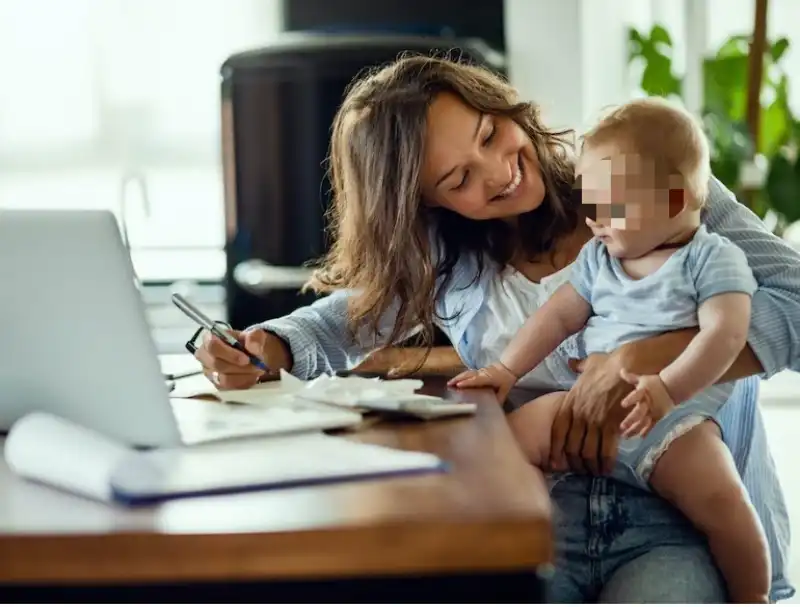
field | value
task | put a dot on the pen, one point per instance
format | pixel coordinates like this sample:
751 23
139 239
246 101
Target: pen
216 330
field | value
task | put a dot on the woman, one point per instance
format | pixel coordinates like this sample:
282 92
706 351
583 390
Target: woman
453 207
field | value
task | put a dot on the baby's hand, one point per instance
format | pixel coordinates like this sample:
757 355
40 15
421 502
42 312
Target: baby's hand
650 401
495 376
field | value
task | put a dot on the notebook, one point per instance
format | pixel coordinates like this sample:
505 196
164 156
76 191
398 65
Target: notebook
50 450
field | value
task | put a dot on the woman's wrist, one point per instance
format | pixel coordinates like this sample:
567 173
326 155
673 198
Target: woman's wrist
650 356
277 352
440 360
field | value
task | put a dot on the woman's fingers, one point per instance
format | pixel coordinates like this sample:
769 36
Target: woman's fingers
232 381
218 350
226 368
215 355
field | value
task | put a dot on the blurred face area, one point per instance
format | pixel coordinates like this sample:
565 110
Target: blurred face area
629 201
480 166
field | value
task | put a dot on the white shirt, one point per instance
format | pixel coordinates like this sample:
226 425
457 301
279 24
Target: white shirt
510 300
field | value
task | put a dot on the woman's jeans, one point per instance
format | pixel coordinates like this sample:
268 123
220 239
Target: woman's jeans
619 544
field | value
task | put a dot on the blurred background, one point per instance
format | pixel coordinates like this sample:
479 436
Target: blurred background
144 106
203 124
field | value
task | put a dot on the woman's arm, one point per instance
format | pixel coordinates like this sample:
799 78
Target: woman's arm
320 339
774 336
586 429
443 360
652 355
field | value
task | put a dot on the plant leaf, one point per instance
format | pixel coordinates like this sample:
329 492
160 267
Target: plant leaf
660 35
774 128
735 46
657 78
725 85
635 44
783 187
779 47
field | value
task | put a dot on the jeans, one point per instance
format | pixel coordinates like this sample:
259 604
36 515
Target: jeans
616 543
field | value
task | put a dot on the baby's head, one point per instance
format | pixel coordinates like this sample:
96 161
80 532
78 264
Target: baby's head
643 174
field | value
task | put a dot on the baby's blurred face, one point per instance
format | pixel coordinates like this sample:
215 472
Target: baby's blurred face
627 206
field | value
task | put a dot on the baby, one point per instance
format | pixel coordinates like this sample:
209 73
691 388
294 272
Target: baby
650 268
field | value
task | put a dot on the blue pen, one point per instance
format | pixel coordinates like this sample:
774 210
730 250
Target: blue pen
216 330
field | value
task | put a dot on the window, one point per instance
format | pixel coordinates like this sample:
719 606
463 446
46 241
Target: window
114 104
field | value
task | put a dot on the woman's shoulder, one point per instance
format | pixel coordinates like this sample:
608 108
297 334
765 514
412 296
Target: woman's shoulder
723 213
706 239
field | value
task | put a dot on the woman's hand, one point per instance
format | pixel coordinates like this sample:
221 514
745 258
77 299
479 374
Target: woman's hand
495 376
231 370
586 429
587 426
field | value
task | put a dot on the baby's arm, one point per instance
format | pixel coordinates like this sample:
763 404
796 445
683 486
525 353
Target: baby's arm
725 286
564 314
724 322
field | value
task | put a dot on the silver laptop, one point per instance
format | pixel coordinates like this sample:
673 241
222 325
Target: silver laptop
75 341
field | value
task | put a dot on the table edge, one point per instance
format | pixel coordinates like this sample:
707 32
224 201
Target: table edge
390 549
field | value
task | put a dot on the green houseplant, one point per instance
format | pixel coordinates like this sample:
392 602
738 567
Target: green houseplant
723 114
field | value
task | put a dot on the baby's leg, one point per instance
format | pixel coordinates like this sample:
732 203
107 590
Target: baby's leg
697 474
532 424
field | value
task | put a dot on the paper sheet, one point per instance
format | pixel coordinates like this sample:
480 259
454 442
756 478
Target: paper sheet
203 421
341 391
54 451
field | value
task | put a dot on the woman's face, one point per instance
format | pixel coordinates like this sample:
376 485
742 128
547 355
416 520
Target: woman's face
479 166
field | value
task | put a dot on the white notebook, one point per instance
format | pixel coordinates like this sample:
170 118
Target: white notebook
54 451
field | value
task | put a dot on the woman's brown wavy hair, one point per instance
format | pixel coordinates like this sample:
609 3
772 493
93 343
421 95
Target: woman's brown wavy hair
381 230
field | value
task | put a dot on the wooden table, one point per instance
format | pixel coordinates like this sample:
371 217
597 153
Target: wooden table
486 523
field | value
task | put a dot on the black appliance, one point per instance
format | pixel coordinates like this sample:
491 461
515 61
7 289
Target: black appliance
278 105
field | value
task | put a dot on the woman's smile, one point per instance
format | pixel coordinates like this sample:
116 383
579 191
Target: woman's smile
513 188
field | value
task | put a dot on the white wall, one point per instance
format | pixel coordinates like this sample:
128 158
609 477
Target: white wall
570 56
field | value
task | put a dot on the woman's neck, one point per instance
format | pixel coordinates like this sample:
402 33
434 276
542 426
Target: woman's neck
564 252
571 244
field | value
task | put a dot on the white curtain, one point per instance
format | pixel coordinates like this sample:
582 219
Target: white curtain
109 99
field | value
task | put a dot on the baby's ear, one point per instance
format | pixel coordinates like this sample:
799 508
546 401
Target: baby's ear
677 201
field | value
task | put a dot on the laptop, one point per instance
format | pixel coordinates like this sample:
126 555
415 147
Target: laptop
75 340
